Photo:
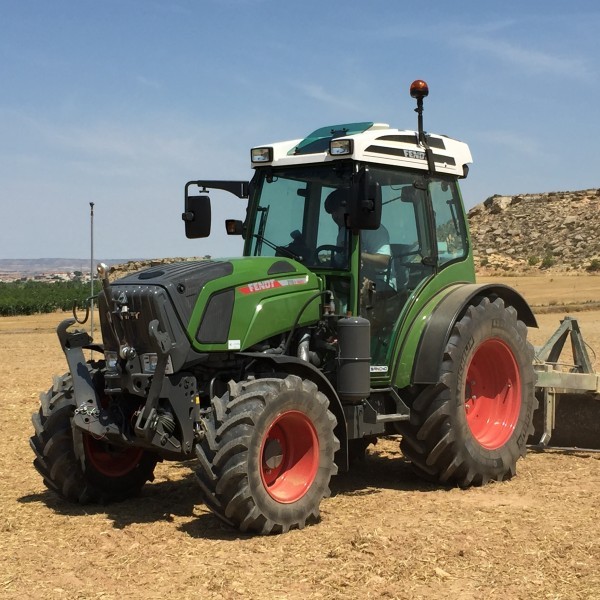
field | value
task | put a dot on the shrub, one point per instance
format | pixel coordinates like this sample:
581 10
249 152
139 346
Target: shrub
594 265
548 261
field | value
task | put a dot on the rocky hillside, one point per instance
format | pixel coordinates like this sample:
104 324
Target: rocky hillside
558 231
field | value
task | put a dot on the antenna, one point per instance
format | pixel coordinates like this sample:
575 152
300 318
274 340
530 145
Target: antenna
92 268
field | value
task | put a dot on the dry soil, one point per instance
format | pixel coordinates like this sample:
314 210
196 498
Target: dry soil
383 533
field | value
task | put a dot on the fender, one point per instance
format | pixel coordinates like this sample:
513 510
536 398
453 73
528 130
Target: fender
296 366
441 321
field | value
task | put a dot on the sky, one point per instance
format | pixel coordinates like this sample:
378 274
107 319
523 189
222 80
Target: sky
121 102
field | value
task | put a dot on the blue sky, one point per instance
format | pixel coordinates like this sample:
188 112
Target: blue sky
120 102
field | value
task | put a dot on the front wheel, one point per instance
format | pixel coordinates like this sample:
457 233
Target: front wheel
473 425
267 455
76 465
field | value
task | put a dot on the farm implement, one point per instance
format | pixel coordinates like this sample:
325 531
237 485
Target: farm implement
353 313
574 384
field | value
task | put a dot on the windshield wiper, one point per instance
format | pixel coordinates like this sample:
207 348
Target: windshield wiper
290 253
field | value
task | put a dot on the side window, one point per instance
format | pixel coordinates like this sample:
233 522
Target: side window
401 215
404 214
449 224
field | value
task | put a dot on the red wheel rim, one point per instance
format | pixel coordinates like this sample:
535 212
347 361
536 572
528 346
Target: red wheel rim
289 457
493 394
109 460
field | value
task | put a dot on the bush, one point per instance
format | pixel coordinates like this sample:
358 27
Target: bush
548 261
533 260
594 265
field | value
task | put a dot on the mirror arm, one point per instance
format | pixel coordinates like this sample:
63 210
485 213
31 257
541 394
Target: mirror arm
237 188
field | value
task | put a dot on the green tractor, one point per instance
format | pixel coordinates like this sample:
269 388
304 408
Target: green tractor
353 314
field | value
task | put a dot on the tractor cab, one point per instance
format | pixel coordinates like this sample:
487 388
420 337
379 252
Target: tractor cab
375 212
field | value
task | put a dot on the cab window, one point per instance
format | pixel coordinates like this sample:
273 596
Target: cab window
450 228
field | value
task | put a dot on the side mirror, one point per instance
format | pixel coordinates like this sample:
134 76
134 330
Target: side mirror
197 216
365 204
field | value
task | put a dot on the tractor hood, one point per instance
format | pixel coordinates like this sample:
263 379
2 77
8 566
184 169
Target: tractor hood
225 304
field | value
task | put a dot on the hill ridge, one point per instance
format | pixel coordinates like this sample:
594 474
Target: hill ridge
557 231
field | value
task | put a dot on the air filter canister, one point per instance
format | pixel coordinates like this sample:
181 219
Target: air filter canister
354 359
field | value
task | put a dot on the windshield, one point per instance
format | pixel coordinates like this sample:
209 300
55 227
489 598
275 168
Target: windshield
292 219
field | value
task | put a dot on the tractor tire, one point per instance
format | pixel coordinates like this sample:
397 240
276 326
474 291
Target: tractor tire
76 465
473 425
267 455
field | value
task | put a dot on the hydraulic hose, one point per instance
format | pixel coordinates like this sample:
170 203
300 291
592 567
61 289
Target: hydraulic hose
295 325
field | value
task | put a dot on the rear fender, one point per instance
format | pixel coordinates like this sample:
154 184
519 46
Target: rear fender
441 321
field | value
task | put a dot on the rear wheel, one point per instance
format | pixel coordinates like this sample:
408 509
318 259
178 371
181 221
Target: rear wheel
473 425
266 458
78 466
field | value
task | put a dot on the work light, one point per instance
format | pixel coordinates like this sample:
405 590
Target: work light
341 146
262 155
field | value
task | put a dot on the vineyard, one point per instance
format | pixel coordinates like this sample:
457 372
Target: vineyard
32 297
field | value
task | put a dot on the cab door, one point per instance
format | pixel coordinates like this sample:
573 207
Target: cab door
425 222
405 224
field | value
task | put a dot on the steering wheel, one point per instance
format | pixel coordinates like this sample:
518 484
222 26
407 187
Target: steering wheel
322 251
404 258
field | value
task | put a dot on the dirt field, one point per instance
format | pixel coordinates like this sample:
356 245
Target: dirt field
383 533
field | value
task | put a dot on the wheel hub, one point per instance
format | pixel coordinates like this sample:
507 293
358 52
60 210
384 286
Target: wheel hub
272 454
110 460
492 394
289 457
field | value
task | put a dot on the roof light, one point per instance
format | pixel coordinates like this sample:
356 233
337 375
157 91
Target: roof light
341 146
261 155
419 89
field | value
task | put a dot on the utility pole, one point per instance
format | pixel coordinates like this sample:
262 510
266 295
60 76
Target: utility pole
92 268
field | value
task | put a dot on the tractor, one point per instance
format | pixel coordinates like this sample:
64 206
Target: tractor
353 314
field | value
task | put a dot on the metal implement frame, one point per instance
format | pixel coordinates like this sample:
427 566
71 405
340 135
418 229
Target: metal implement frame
580 379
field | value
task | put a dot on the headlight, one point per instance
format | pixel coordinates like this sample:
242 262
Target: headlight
149 362
261 155
111 358
341 146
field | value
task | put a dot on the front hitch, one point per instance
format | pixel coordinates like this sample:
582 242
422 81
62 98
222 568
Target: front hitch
147 420
89 415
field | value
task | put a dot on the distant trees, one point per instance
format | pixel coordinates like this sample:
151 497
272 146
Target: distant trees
30 297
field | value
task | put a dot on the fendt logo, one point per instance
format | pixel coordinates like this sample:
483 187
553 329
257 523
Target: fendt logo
414 154
259 286
269 284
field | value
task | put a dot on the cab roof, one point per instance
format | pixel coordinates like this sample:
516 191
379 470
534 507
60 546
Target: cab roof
373 143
